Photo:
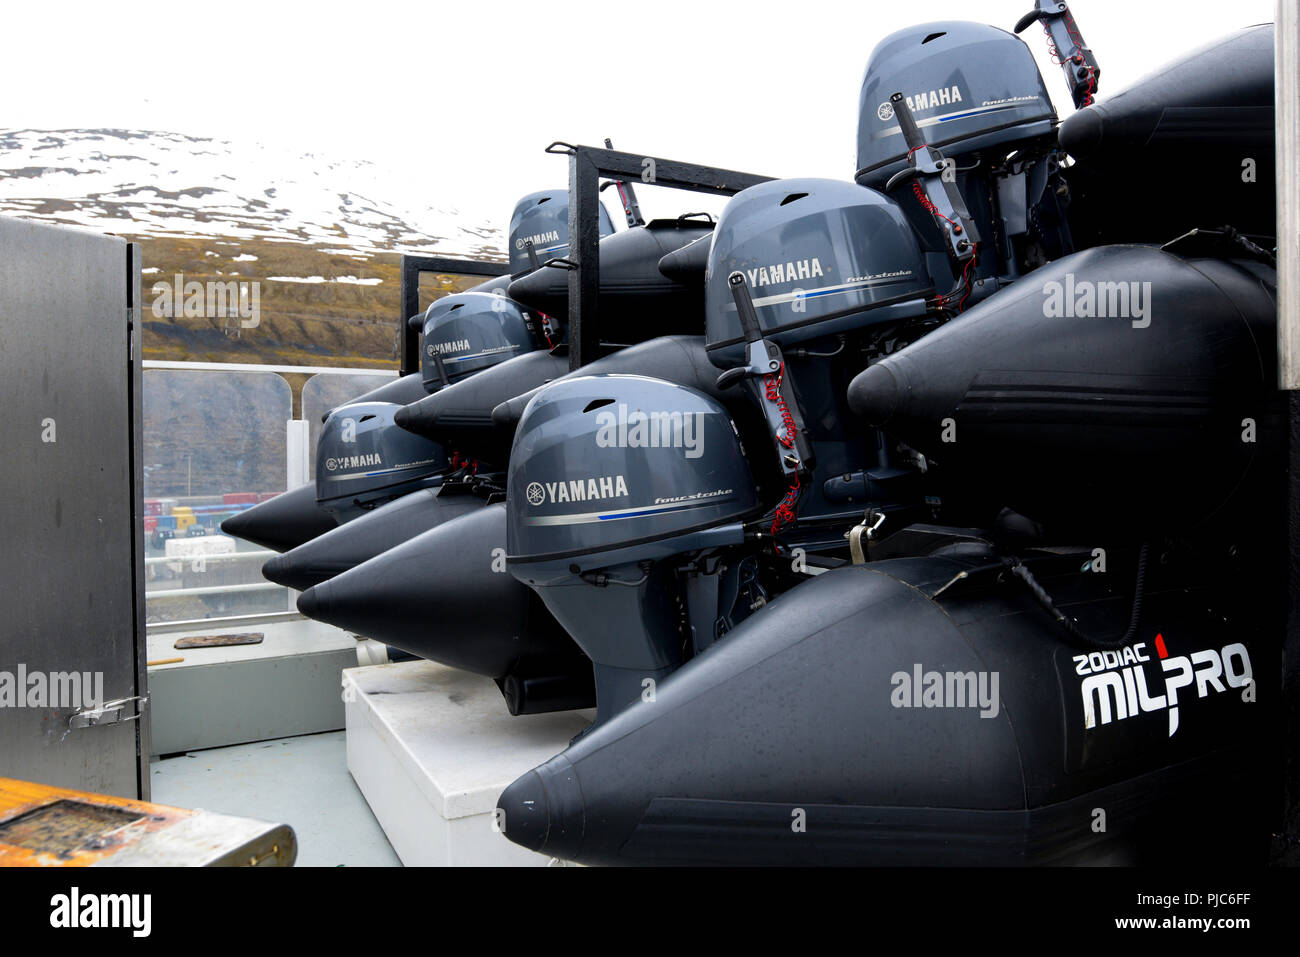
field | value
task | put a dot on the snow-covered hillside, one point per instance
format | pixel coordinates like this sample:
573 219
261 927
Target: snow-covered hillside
155 183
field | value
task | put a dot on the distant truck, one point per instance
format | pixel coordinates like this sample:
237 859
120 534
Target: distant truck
167 518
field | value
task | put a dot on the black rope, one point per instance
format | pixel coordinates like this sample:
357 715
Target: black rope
1070 626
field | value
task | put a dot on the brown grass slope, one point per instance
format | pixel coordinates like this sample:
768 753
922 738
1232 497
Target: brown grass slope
323 324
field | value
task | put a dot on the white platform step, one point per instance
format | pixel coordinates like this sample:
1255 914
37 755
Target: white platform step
432 748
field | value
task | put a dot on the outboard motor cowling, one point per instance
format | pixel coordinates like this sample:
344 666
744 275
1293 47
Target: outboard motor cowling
970 86
542 218
364 459
832 270
817 254
471 331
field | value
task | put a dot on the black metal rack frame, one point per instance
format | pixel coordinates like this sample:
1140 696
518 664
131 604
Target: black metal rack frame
587 164
412 267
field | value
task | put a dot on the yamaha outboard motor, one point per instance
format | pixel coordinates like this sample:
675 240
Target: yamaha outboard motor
468 332
970 86
820 257
808 280
539 229
413 387
415 598
495 286
363 459
973 95
616 484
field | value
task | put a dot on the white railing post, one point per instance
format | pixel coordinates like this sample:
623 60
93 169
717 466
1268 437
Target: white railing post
298 449
298 472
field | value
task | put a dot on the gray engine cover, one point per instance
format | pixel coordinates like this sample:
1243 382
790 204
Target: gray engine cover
473 331
970 86
604 462
363 457
817 254
543 217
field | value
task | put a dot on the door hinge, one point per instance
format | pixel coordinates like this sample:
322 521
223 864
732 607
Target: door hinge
110 712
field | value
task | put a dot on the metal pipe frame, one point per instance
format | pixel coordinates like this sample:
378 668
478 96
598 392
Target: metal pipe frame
587 164
412 266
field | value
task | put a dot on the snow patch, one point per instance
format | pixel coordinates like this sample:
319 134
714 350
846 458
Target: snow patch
175 185
348 280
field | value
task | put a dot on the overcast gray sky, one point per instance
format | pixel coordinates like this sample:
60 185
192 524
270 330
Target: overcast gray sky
764 87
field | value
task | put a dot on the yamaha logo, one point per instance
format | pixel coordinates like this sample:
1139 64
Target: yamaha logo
886 111
456 345
785 272
929 99
353 462
552 237
576 490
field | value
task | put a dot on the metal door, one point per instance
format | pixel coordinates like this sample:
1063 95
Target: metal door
71 570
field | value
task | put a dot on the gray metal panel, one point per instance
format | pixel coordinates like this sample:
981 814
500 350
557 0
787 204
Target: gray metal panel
70 569
257 699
